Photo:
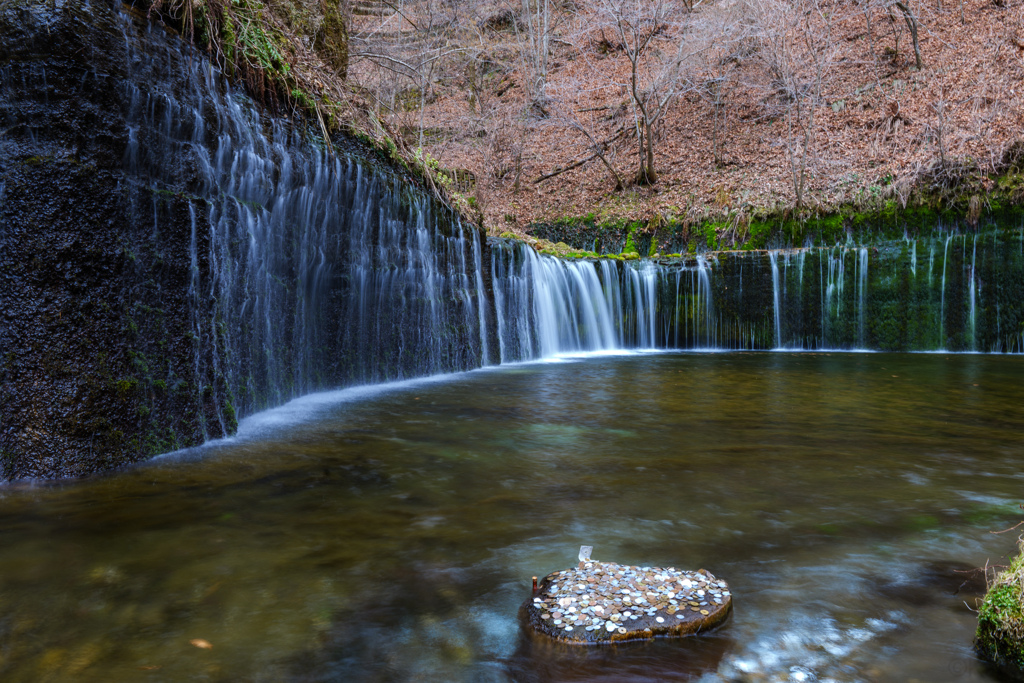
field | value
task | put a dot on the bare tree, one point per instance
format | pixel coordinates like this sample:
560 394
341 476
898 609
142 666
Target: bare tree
405 44
718 39
910 18
586 123
537 27
650 37
797 49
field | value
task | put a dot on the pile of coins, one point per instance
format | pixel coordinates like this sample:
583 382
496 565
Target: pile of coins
608 601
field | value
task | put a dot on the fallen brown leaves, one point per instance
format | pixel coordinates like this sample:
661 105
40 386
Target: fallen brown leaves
879 124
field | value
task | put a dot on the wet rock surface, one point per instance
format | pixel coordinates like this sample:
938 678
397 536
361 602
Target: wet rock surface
605 602
97 368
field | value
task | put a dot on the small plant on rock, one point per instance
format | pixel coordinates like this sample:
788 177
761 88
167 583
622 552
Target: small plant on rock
1000 636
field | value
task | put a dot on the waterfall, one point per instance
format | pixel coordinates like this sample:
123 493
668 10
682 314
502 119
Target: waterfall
942 293
973 296
754 300
322 270
836 278
641 284
325 271
547 306
862 295
773 258
704 312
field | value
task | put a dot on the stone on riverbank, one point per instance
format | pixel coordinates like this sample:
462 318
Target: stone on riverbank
603 602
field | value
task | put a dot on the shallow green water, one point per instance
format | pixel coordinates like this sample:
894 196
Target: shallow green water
390 534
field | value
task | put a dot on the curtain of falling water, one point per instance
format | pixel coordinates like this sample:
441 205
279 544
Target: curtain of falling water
843 297
320 270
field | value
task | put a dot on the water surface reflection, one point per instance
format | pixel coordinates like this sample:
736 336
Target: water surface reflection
390 534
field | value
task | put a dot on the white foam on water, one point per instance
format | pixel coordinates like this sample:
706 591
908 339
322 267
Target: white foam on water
807 648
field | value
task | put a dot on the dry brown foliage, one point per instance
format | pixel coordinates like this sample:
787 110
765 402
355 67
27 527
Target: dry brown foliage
775 102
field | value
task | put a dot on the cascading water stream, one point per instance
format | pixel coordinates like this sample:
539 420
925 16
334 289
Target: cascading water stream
547 306
322 270
942 291
756 301
773 258
862 295
973 296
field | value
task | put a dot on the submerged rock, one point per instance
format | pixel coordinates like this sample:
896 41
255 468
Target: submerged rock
604 602
1000 636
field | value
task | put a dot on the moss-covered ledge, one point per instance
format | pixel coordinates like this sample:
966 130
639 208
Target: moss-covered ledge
1000 637
932 205
587 237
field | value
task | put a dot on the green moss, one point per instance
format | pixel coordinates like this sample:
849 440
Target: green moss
876 216
630 246
757 235
303 100
126 386
1000 635
829 228
712 230
230 418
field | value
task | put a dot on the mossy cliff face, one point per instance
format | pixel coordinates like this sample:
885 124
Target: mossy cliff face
178 258
290 53
1000 637
98 364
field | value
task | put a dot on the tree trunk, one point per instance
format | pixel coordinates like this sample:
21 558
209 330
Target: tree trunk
650 173
912 25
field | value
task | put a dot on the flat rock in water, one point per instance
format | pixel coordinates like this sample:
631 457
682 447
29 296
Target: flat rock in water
604 602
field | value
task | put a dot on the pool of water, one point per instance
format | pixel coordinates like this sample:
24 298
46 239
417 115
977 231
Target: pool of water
390 533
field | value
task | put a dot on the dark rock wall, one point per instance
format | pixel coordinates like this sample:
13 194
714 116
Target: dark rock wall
98 365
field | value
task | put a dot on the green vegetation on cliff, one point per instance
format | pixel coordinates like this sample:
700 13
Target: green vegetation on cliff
288 52
967 202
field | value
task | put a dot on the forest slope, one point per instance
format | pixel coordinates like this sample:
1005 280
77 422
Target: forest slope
538 112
